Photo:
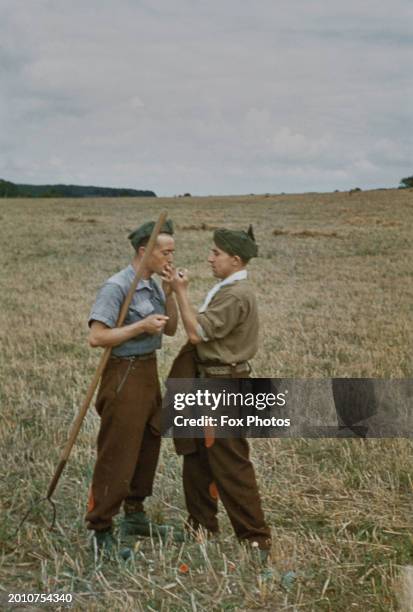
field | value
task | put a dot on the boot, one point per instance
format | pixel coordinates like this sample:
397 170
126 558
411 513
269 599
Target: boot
105 546
138 524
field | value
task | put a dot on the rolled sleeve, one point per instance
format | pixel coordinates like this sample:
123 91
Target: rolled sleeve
201 333
107 305
220 318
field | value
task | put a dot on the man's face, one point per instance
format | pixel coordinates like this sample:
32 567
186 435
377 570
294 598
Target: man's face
222 264
162 254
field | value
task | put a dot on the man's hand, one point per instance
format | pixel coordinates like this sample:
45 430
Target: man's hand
180 279
179 284
167 276
155 323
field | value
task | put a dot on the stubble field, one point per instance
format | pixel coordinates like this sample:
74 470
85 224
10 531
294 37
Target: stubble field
334 284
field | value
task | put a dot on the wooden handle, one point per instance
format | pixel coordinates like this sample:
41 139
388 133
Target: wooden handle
55 478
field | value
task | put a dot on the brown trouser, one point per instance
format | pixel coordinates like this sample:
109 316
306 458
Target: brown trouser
128 444
226 465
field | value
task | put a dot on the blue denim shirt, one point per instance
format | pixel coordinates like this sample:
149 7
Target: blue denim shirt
148 299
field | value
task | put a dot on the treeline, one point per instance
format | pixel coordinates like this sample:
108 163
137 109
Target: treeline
406 183
16 190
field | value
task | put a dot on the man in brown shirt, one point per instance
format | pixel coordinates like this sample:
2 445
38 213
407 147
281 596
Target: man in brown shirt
225 333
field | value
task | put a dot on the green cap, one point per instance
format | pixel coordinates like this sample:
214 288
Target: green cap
146 229
236 242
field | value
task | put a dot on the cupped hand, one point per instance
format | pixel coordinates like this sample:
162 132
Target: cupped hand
167 276
155 323
180 279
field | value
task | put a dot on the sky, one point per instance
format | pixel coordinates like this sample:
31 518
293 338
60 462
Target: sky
207 96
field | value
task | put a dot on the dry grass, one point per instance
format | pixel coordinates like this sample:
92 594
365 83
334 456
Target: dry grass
305 233
203 227
340 510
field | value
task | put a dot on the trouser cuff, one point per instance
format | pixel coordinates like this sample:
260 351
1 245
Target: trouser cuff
192 525
133 505
260 543
99 526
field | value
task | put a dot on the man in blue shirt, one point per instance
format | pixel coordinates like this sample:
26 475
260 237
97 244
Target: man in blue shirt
129 400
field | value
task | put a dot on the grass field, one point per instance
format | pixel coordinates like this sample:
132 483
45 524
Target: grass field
334 283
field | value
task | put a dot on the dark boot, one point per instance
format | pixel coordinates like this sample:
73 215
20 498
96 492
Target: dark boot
106 547
138 524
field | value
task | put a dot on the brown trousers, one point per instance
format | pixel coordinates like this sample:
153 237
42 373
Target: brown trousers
225 466
128 444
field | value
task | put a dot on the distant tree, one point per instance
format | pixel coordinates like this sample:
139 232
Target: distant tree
53 193
8 189
22 190
406 183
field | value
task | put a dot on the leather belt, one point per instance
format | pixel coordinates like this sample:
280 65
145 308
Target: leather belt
223 369
134 357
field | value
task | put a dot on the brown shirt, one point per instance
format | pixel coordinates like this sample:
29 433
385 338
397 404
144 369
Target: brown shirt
230 323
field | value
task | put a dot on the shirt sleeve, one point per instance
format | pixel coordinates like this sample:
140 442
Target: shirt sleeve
107 305
201 333
219 319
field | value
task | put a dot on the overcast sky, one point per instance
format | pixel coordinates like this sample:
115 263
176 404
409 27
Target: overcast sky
207 96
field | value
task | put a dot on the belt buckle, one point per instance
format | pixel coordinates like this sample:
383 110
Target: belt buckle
242 366
218 370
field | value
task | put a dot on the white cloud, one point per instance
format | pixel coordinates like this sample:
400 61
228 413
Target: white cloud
207 96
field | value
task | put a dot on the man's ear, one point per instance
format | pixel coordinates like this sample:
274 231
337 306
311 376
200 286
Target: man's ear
141 251
237 260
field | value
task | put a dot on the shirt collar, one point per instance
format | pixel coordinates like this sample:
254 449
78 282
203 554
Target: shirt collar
229 280
144 283
240 275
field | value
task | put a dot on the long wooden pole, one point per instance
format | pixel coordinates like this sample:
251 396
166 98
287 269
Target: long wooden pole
77 423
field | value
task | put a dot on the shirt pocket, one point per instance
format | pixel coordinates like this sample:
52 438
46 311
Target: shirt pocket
141 309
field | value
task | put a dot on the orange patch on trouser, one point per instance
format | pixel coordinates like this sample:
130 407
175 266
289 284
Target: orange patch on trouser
90 501
213 491
209 435
222 465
